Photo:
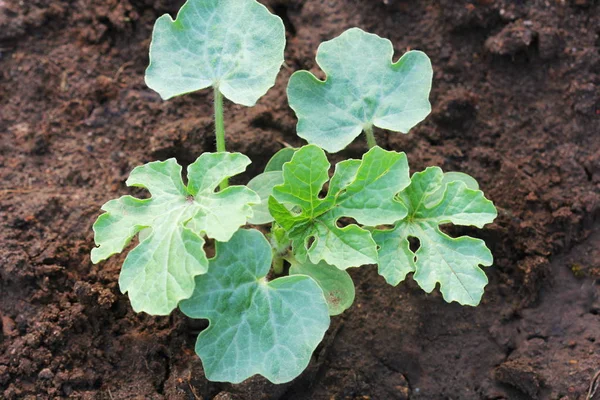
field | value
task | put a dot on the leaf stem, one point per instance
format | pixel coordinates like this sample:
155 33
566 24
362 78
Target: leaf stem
280 245
220 128
371 142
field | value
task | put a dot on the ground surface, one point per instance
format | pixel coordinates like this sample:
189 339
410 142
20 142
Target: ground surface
515 103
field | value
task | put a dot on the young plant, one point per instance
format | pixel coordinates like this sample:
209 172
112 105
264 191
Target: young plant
261 322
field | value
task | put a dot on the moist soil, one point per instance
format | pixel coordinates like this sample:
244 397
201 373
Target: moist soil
515 102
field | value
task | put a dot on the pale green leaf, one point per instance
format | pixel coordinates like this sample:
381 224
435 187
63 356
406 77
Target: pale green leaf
281 157
468 180
454 263
361 189
233 45
256 326
364 88
263 186
396 260
336 284
160 271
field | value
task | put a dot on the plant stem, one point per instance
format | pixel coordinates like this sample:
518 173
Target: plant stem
371 142
220 128
278 265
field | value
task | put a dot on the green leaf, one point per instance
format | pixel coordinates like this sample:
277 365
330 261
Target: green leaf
453 176
281 157
256 326
451 262
468 180
363 88
160 271
363 190
233 45
336 284
263 185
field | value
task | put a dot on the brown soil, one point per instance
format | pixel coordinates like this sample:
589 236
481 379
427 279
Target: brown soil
516 104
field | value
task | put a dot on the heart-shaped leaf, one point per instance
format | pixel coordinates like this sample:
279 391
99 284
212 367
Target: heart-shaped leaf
453 262
256 326
233 45
160 271
364 88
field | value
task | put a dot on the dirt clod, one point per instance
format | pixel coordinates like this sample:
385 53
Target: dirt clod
456 109
519 374
46 373
515 37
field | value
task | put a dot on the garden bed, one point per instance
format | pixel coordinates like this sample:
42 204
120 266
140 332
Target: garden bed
515 103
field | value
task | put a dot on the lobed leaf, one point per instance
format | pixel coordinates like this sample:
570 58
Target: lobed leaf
233 45
364 88
451 262
361 189
160 270
256 327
